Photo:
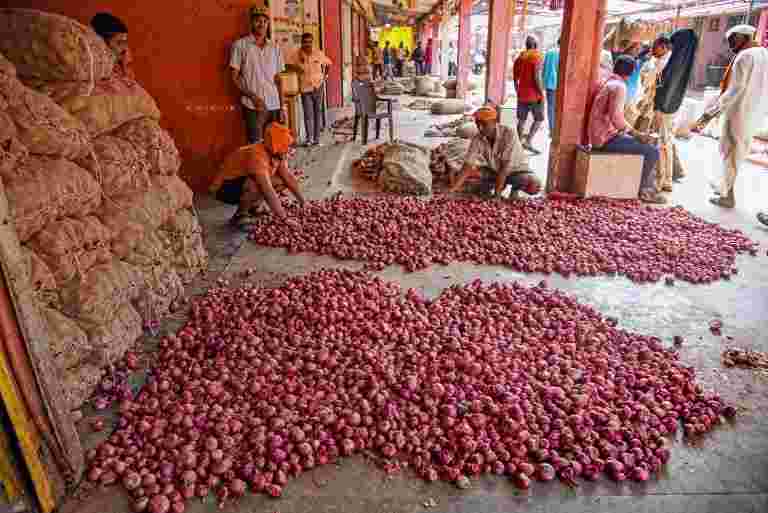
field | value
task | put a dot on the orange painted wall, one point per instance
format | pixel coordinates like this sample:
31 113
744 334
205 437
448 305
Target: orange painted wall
180 54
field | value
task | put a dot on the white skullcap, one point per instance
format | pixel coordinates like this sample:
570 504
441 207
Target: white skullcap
745 30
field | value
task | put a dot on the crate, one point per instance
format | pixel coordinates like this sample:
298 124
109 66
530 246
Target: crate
610 175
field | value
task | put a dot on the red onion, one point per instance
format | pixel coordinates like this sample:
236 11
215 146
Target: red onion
159 504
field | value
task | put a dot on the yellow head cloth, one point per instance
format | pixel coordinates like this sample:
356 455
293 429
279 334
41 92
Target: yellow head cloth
280 138
259 11
486 114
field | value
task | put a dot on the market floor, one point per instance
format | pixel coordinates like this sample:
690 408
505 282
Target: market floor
725 472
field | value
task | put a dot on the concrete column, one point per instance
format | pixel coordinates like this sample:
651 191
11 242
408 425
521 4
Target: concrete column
580 47
332 46
465 34
499 36
762 28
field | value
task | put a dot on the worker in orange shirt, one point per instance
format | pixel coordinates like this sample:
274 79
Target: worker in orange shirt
255 173
527 77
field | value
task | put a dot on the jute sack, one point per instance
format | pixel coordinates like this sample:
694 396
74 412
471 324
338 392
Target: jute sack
69 343
448 106
184 239
95 298
12 151
42 281
154 143
106 106
447 159
162 287
405 169
110 341
44 127
79 383
117 165
52 47
73 246
424 85
49 188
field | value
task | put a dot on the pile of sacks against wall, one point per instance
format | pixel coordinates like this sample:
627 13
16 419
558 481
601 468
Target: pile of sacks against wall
106 226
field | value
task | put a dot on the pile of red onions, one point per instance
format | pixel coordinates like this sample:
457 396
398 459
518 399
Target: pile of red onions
114 384
588 237
263 384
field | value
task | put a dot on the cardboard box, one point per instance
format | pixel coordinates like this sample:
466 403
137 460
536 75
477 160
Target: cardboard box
611 175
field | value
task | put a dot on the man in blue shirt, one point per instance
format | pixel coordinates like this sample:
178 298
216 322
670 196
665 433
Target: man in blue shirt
633 49
551 67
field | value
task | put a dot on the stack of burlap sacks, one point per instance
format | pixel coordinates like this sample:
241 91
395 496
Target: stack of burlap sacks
105 223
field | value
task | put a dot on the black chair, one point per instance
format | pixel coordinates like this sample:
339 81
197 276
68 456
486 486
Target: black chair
366 108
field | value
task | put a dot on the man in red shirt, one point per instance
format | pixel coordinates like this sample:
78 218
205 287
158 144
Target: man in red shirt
527 76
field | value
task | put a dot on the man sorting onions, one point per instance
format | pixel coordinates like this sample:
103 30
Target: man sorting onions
496 159
254 174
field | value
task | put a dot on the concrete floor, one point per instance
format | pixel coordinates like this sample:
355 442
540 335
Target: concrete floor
726 471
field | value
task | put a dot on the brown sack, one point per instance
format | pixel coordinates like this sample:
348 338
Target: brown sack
6 68
178 192
49 188
44 127
156 145
184 240
117 165
12 151
106 106
95 298
73 246
52 47
110 341
42 281
69 343
79 384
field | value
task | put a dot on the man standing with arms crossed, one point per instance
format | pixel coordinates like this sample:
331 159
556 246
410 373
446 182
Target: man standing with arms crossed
255 64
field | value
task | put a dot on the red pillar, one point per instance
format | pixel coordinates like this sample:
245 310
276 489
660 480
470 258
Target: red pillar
762 28
332 47
580 47
499 37
465 35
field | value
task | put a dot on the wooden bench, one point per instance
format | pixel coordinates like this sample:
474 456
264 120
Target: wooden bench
611 175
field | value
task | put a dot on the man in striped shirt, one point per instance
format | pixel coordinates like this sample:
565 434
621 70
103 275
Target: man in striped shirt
255 62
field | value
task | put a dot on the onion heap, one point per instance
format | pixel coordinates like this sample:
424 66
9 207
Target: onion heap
585 238
262 384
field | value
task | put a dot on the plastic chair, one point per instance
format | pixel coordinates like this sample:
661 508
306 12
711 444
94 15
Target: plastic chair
367 107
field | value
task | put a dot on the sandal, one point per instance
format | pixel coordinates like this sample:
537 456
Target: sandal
763 217
652 197
723 202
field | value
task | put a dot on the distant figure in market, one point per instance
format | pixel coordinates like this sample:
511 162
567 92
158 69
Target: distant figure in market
254 174
527 76
633 49
551 69
418 58
428 57
377 61
387 58
255 63
115 33
743 104
450 55
609 131
311 64
496 159
400 57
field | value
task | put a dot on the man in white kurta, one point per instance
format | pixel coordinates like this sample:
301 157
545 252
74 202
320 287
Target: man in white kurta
744 107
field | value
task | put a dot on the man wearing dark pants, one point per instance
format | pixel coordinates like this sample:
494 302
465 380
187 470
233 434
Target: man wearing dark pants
551 69
255 63
311 65
527 74
610 132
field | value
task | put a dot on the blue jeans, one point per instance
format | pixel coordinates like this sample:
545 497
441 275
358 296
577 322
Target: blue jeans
551 108
631 146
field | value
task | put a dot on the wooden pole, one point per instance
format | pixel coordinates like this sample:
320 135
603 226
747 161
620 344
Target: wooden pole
580 49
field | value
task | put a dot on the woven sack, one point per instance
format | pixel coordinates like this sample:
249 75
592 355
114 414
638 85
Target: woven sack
52 47
154 143
79 383
107 105
12 151
405 169
184 239
42 280
95 297
117 165
110 341
49 188
69 343
448 106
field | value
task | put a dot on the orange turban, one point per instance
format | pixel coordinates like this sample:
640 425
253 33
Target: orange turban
486 114
280 138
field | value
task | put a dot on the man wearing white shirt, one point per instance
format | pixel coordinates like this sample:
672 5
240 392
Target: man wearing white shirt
450 54
255 62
